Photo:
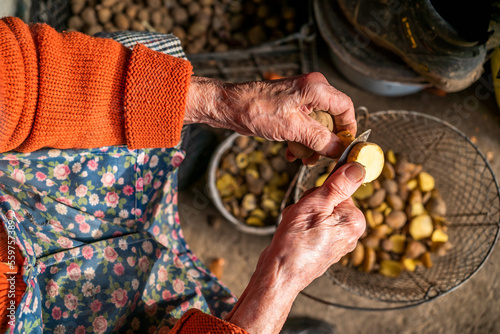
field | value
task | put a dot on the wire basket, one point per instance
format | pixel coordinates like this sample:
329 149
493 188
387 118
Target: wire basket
467 185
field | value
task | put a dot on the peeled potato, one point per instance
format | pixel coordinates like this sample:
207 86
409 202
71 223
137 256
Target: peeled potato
371 156
415 209
241 160
320 180
398 243
226 185
364 191
412 184
425 182
439 236
426 259
255 221
409 264
369 218
391 157
382 207
390 268
249 202
258 213
421 227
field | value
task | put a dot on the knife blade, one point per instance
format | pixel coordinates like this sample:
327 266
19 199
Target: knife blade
343 158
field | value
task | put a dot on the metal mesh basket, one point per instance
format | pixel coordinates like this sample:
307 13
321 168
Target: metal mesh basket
468 187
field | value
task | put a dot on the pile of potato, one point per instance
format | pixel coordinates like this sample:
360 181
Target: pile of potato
405 217
201 25
252 179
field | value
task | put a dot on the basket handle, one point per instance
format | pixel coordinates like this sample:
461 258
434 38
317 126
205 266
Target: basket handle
362 113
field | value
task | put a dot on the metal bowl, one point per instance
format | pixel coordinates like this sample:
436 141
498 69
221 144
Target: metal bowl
214 193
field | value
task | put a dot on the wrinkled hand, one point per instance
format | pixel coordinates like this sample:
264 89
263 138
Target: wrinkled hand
276 110
322 227
313 234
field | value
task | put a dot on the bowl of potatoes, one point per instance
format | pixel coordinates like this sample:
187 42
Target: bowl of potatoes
432 215
247 180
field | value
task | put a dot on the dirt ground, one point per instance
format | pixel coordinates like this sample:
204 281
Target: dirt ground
473 308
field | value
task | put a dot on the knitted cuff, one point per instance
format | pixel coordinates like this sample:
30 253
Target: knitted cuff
155 98
18 77
196 322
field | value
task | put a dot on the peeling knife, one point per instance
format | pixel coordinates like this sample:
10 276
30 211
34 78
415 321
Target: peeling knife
342 160
362 138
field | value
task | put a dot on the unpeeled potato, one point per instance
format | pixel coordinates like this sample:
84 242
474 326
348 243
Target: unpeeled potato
414 249
358 255
369 259
323 117
302 152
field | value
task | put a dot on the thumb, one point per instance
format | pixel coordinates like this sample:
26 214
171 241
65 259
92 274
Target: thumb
317 137
338 187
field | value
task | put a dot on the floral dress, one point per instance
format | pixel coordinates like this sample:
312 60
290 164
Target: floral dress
99 230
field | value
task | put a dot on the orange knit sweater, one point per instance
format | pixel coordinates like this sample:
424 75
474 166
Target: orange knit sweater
70 90
73 91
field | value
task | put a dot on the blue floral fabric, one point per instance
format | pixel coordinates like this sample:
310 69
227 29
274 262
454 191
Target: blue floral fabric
100 233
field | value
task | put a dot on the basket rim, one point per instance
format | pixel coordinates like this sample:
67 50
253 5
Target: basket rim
405 304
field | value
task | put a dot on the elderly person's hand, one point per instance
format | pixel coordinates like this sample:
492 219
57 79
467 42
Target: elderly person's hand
314 233
275 110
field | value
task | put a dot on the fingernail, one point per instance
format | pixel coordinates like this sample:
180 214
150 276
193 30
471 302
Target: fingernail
355 172
335 150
